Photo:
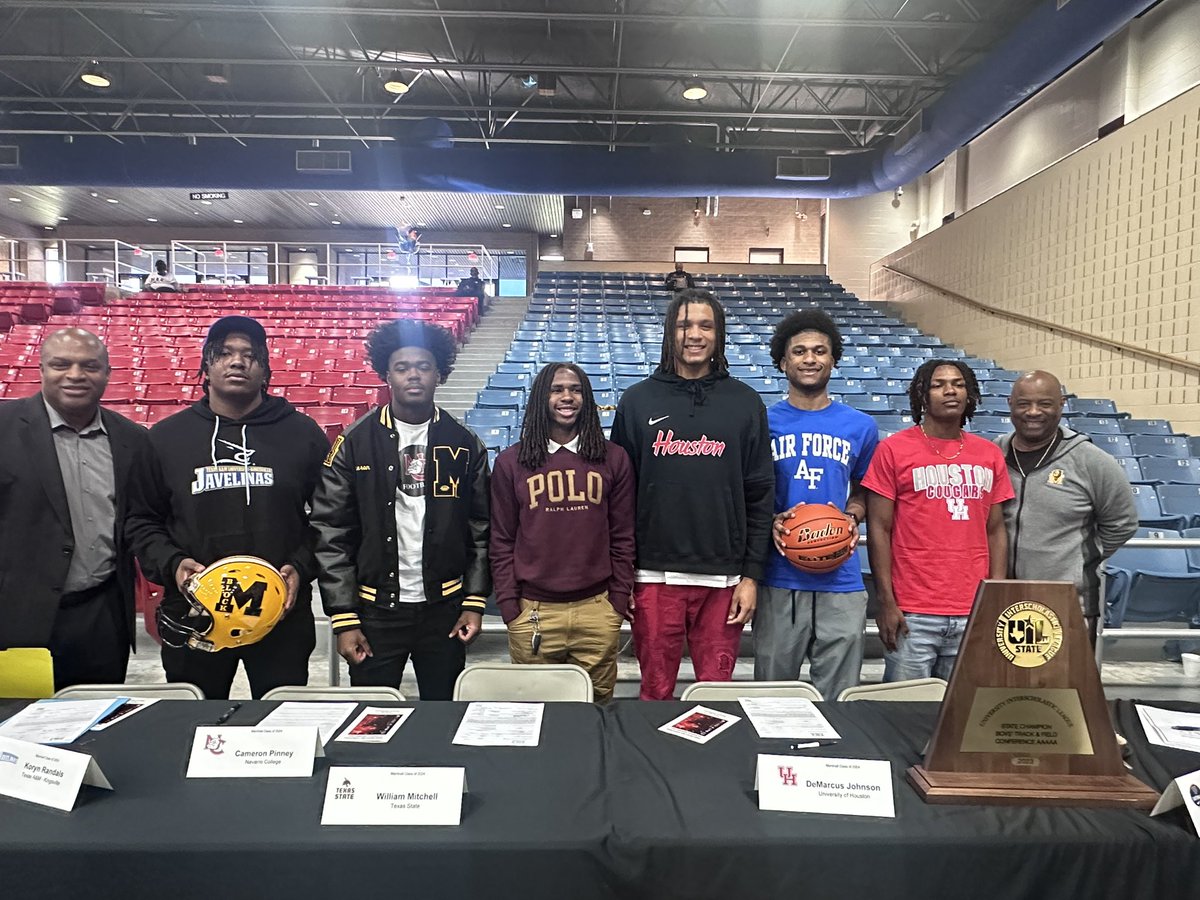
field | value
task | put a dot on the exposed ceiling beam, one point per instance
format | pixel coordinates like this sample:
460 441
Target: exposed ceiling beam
523 108
521 68
341 12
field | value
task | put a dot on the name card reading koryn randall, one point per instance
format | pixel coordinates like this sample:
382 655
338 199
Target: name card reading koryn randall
378 795
219 751
848 787
47 776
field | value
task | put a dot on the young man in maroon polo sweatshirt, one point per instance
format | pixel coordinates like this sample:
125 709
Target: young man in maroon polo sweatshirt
562 543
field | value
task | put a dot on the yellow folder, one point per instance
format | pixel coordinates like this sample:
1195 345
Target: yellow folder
27 673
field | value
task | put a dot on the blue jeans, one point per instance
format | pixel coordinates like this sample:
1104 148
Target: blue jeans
929 649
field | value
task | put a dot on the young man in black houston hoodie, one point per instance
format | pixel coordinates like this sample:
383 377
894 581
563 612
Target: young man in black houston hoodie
701 453
231 476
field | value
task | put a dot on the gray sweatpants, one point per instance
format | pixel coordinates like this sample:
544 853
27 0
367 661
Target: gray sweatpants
825 627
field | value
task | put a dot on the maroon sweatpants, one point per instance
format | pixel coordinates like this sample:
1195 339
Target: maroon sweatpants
664 615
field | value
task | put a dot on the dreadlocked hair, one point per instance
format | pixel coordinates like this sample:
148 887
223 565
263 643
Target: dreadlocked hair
389 337
918 390
808 319
666 363
535 429
211 352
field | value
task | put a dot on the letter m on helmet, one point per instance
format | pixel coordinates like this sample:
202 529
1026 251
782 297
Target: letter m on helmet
248 600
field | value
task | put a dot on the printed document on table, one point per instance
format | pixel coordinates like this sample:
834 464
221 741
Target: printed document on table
327 717
787 717
57 721
501 725
1169 728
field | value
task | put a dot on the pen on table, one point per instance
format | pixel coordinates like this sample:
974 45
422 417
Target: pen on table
224 717
1185 727
809 745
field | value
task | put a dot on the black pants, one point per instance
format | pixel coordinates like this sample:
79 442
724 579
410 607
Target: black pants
90 640
278 659
418 630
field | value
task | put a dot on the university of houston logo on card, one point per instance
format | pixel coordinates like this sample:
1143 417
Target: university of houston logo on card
1028 634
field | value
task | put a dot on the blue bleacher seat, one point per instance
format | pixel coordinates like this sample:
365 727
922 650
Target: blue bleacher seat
491 418
1150 584
497 399
1181 500
1088 406
1146 426
495 437
1160 445
510 381
1194 445
1116 444
1093 426
1149 510
1130 466
1170 470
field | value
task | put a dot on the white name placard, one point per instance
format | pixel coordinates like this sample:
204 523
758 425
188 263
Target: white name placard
847 787
1183 791
219 751
380 795
48 776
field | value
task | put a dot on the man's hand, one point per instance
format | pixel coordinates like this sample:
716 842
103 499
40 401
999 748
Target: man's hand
745 598
186 570
292 579
352 646
778 532
892 625
467 628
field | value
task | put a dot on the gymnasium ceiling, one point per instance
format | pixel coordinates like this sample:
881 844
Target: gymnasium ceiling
828 76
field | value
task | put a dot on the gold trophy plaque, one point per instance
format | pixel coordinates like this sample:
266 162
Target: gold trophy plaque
1024 721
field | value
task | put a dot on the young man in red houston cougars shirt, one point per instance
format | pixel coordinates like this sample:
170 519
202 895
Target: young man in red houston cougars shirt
705 496
937 527
562 532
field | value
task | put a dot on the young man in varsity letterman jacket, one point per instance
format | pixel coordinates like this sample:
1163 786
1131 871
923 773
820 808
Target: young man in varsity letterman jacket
701 452
562 532
402 514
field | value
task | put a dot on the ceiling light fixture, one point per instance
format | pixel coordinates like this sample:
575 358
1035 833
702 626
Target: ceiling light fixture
111 200
694 89
335 222
395 82
151 219
14 199
48 227
63 219
505 225
498 206
238 222
93 76
554 235
206 203
313 203
646 211
529 82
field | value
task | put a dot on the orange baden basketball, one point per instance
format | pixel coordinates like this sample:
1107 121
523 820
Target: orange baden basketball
819 538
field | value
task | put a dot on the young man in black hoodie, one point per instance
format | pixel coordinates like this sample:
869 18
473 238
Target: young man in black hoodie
402 511
701 454
231 476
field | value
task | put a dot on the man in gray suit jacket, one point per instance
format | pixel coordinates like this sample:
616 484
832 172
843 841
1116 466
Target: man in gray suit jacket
66 572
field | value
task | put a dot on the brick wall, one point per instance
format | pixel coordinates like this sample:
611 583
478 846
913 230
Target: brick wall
620 231
1106 242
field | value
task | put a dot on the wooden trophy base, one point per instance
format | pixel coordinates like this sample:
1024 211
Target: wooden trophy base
995 789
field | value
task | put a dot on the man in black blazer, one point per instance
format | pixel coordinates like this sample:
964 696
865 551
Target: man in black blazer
66 572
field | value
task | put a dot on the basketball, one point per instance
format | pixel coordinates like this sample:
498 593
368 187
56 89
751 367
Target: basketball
819 538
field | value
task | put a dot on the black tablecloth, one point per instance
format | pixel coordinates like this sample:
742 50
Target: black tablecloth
686 823
534 820
606 806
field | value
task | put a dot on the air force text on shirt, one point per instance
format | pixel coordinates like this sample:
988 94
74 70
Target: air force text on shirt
951 481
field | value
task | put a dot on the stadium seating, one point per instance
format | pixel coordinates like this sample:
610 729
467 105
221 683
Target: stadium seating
154 340
1151 584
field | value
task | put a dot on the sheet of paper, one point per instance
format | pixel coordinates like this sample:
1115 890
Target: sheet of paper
1169 728
847 787
49 776
376 724
219 751
325 717
377 795
129 706
1183 791
56 721
700 724
501 725
787 717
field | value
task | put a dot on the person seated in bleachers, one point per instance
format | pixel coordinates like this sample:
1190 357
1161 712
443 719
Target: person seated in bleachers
472 286
162 281
1073 508
679 280
411 242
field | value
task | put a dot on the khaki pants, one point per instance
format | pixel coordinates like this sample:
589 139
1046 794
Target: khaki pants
584 632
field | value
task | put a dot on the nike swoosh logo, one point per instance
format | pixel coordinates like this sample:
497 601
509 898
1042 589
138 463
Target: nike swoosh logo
656 421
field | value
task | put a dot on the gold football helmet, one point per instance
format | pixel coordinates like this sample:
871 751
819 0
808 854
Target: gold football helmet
235 602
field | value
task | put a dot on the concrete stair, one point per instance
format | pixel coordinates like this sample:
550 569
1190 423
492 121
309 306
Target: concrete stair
484 350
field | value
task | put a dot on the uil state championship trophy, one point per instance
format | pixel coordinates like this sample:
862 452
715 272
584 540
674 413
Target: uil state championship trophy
1024 720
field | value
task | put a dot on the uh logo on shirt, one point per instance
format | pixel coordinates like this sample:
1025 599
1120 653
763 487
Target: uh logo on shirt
954 484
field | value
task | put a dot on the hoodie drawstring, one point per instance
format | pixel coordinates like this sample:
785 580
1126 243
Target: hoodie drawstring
245 465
